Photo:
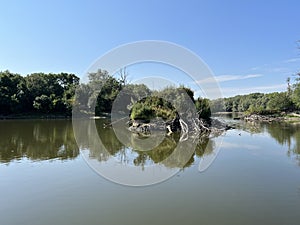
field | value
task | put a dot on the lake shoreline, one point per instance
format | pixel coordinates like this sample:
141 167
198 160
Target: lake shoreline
34 116
286 117
276 117
28 117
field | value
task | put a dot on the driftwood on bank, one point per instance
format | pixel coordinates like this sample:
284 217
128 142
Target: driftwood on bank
192 127
262 118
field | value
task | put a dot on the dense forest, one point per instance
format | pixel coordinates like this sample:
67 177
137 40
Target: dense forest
41 94
54 94
137 99
37 93
260 103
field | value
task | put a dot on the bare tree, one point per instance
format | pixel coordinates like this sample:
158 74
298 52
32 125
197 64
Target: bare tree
123 73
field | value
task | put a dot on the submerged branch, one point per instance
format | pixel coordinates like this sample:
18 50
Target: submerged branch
194 127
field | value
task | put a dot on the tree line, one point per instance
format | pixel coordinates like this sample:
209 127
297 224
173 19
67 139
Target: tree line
57 94
37 93
262 103
135 100
41 93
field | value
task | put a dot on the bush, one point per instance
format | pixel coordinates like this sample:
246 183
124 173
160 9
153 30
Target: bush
152 107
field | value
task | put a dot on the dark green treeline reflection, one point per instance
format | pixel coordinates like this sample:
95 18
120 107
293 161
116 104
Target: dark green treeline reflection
37 140
285 134
54 139
104 144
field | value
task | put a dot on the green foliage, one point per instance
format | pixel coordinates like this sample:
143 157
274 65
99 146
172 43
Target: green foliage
187 91
228 104
43 103
102 90
12 92
296 95
142 111
203 108
99 93
278 102
37 93
167 103
152 107
258 103
109 91
42 93
217 105
180 98
133 92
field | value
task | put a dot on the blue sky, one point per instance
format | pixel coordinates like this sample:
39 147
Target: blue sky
249 45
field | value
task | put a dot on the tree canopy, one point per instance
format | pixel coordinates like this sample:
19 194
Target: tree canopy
261 103
37 93
49 93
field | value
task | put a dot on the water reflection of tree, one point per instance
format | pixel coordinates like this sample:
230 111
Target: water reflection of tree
37 140
163 153
296 148
284 133
281 132
110 146
54 139
88 139
287 134
252 127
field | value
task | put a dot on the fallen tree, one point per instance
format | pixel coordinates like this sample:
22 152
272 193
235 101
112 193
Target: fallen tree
174 110
192 127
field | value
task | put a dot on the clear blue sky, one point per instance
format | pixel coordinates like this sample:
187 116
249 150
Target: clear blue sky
249 45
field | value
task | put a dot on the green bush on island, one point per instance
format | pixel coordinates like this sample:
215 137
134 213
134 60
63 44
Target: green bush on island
203 108
152 107
159 106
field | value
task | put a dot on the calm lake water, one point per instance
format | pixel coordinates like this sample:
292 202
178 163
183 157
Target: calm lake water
44 179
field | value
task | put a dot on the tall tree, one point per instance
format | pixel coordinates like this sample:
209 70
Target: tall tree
296 92
12 93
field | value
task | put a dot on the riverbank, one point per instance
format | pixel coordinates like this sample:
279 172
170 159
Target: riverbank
282 117
28 116
290 117
33 116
